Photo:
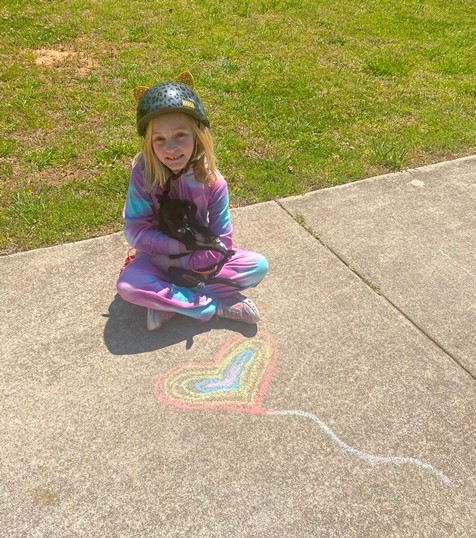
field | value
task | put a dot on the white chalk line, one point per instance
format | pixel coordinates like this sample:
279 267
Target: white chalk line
360 453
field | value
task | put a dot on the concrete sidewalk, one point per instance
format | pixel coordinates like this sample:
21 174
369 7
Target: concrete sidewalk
349 411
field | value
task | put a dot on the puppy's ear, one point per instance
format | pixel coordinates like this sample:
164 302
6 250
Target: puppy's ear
160 198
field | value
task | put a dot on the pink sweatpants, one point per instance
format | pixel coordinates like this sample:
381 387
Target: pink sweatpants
144 284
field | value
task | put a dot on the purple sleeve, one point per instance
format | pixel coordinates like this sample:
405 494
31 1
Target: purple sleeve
139 222
219 222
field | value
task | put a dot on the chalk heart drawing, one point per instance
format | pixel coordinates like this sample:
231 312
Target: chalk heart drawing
237 380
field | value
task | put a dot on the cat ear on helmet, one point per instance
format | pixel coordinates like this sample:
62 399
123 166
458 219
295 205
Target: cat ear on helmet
139 92
186 78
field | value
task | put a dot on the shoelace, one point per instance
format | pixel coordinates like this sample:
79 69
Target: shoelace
234 311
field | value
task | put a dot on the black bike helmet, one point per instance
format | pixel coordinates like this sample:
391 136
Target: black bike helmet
168 97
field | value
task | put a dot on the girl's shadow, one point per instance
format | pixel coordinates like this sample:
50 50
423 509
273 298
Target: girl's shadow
126 333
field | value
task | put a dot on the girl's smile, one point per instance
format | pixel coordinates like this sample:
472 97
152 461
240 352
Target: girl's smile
173 140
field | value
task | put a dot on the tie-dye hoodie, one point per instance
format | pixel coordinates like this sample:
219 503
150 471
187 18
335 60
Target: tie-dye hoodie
141 215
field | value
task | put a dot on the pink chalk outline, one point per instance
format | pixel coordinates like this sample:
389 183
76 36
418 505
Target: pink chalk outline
253 405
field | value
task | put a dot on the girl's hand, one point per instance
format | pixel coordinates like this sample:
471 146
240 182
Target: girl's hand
183 249
200 237
163 262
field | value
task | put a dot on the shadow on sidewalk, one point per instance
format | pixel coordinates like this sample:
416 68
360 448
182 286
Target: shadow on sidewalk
126 333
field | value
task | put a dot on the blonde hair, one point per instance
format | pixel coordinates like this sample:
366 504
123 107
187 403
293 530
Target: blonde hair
203 159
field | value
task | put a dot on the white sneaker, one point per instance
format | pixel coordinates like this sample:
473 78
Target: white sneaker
156 318
237 307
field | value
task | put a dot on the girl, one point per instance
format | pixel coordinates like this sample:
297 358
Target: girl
177 158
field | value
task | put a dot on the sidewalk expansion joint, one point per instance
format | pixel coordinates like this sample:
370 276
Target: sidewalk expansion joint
299 219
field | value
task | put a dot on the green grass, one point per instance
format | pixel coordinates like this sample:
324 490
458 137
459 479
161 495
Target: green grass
301 95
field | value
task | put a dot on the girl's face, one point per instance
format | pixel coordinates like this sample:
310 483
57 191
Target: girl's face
173 140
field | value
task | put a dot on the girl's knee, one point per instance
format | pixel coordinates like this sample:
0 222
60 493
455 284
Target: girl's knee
258 271
124 289
262 265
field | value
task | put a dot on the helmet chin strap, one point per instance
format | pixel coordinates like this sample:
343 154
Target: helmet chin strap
175 175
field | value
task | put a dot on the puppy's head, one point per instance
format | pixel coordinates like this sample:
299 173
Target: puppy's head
176 215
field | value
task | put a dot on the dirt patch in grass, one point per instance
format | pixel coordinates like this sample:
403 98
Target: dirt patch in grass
50 57
54 58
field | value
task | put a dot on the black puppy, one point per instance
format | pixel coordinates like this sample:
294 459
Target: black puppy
177 219
175 216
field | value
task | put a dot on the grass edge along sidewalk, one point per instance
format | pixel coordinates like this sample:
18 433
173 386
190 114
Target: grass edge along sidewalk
301 97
